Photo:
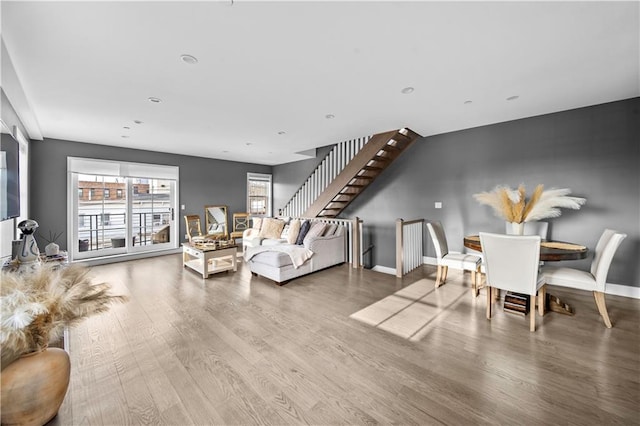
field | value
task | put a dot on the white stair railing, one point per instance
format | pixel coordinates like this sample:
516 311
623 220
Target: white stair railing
332 164
409 247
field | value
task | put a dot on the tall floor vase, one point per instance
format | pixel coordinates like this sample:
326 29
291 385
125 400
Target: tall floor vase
34 386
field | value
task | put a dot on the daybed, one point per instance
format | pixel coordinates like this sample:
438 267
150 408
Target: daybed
292 253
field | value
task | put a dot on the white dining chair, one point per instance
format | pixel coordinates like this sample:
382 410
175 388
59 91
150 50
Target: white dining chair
445 260
594 280
511 262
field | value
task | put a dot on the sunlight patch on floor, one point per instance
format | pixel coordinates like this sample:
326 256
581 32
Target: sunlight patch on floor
408 312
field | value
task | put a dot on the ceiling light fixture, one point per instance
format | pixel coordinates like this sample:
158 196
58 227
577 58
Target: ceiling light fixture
155 100
137 121
468 102
281 132
126 127
125 136
248 144
329 116
513 98
189 59
407 90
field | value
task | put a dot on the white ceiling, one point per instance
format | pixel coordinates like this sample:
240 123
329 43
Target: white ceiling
88 68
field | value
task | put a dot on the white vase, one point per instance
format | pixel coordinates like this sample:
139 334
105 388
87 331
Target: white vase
517 228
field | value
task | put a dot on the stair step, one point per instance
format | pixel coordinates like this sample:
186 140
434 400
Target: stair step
340 201
363 177
391 148
372 169
399 137
354 185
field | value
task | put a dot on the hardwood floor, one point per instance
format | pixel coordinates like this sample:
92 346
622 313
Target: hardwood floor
237 349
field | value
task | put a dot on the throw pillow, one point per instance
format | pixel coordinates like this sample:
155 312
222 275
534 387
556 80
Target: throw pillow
294 230
271 228
285 232
304 228
256 223
330 230
316 229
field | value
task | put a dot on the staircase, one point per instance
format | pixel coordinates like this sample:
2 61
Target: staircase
371 160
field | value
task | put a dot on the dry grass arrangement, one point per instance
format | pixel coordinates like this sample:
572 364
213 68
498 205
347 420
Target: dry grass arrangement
512 205
37 306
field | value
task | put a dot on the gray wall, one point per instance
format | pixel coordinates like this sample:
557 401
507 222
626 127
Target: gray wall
595 151
202 181
288 177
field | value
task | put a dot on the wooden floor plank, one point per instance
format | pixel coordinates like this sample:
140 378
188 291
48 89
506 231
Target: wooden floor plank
238 349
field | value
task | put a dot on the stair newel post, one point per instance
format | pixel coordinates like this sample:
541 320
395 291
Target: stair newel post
399 245
355 242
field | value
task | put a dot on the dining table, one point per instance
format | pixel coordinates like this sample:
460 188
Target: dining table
550 251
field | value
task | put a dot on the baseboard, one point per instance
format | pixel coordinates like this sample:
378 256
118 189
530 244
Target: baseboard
384 269
622 290
430 261
125 257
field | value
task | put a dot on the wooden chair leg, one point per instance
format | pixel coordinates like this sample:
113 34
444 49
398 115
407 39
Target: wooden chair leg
542 299
602 307
532 313
489 301
438 276
445 271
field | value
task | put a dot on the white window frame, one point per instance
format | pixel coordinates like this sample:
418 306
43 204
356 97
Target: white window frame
265 177
90 166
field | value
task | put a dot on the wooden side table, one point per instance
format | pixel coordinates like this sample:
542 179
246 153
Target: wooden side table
209 259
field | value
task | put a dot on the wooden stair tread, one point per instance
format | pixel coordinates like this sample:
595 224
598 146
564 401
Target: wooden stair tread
391 148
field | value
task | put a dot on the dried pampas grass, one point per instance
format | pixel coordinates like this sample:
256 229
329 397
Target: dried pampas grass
35 307
512 206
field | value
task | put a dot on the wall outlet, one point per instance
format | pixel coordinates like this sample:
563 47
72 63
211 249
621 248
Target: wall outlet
438 204
186 237
182 207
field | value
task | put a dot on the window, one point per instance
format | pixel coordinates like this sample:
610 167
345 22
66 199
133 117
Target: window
259 194
139 221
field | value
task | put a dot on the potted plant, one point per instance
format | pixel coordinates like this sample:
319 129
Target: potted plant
513 206
51 249
35 308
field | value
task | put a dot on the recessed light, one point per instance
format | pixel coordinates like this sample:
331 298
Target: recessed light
513 98
248 144
125 136
407 90
189 59
155 100
225 151
329 116
468 102
137 121
281 132
126 127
